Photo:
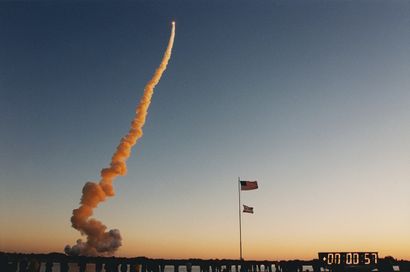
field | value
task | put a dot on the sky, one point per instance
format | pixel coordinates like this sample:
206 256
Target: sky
309 98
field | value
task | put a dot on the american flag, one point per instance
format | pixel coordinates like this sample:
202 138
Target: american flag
249 185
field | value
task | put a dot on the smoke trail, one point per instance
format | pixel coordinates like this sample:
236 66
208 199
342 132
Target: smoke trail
99 241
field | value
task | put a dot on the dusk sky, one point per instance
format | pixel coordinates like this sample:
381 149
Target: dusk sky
310 98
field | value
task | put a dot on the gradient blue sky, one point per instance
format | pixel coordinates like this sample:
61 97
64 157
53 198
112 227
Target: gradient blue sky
311 98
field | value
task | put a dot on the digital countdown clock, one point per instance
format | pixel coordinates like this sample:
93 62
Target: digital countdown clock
348 258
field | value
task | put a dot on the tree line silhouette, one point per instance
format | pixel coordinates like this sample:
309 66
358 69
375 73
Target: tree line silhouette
19 262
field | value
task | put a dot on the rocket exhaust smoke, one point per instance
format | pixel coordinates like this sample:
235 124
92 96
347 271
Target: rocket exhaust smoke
99 240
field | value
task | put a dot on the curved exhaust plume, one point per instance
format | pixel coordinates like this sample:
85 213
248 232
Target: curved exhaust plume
99 240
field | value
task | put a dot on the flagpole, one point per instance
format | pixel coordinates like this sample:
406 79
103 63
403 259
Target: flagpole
240 219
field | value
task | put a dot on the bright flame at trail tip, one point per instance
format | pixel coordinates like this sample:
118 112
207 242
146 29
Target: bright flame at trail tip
173 22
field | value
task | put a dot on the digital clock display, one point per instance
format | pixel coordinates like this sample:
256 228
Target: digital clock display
348 258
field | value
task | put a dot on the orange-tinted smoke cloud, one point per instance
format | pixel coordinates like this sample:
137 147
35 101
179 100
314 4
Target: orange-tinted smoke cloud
99 240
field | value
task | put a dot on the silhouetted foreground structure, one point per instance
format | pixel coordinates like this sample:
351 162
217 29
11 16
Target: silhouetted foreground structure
16 262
